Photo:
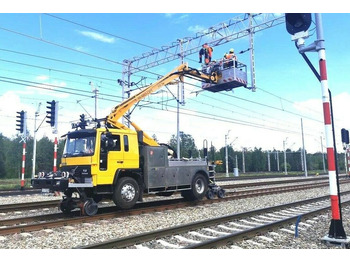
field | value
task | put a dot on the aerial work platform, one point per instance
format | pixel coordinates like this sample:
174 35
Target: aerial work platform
231 74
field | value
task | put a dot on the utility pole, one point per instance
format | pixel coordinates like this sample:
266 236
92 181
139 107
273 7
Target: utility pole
285 156
226 153
95 91
178 149
34 140
243 159
304 153
180 100
251 49
268 161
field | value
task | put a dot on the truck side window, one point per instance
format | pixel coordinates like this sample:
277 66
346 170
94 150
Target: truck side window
116 143
126 143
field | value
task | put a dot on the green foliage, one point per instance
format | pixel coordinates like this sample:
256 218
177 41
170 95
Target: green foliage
2 157
11 156
255 160
188 147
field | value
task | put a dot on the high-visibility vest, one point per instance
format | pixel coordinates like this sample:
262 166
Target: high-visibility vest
230 55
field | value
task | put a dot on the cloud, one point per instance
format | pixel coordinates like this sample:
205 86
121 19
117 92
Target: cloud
177 18
196 28
42 78
98 37
81 49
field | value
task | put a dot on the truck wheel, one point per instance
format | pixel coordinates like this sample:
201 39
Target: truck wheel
126 193
199 188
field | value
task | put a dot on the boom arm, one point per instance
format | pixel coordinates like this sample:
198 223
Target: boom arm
122 108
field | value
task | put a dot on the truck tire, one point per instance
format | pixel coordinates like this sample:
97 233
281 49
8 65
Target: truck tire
126 193
199 188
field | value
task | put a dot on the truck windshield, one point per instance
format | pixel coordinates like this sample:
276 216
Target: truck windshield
80 144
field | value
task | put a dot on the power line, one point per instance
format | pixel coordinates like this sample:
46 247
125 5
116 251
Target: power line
98 30
61 46
59 60
56 70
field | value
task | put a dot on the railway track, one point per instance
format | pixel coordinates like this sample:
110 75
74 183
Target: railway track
85 232
237 187
31 191
29 205
34 223
225 231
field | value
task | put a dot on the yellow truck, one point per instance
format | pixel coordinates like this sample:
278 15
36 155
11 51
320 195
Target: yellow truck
123 164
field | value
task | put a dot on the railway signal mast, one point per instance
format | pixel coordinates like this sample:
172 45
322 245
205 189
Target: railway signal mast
297 25
22 128
52 114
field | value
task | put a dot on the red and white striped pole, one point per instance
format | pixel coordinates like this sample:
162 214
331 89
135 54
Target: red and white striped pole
55 155
336 230
348 159
23 164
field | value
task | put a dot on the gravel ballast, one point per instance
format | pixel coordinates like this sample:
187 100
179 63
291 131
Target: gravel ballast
88 233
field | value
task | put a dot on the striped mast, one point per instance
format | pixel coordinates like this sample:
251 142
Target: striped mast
336 229
333 187
336 233
55 154
23 163
348 159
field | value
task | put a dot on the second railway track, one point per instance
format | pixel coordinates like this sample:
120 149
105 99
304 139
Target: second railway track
222 231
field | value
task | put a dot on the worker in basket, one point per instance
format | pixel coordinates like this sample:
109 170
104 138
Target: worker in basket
230 59
206 51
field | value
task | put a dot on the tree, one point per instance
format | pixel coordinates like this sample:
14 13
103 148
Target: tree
188 147
2 158
44 155
258 160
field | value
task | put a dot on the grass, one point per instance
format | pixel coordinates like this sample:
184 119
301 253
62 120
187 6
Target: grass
13 183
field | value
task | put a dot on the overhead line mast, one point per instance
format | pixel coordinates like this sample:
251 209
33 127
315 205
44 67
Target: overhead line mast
220 34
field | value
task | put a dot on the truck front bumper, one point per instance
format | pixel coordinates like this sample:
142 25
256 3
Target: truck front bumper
53 184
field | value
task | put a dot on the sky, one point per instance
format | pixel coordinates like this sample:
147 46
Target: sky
65 54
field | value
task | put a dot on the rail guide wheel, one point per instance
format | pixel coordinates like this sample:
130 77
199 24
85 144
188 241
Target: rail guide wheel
213 190
89 207
66 205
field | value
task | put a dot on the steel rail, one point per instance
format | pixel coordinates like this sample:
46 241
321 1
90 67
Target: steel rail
29 205
221 241
148 236
141 208
55 203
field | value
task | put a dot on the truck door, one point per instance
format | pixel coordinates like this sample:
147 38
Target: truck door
131 151
111 158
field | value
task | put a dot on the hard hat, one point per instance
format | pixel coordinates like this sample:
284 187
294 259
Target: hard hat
232 50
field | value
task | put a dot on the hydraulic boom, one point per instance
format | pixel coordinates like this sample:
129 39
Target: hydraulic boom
179 72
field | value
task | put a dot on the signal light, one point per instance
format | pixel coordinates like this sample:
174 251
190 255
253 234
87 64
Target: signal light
21 125
297 22
345 136
83 122
52 113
